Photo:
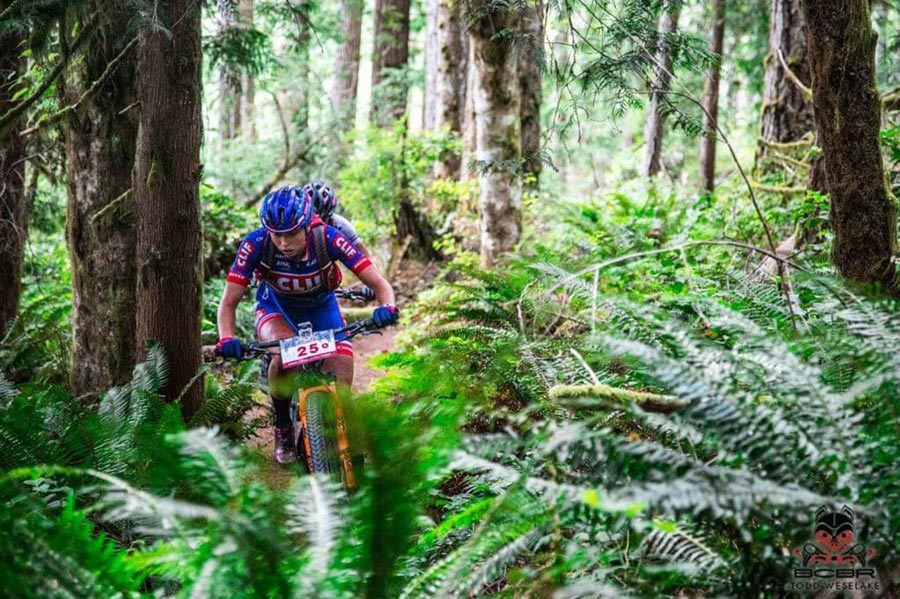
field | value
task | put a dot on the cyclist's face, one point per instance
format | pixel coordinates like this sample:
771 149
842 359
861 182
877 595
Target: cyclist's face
293 244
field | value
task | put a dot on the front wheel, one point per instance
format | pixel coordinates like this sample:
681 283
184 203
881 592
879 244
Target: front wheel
324 435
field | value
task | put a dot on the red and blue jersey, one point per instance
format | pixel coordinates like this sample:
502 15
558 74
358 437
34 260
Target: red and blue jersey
296 283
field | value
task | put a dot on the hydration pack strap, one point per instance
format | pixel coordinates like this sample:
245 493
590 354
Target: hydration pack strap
268 257
323 260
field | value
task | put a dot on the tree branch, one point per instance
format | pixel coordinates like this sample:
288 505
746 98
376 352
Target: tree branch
284 127
12 6
6 121
807 92
651 402
299 157
890 101
88 93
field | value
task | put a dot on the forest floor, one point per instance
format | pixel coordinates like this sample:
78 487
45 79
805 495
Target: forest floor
413 277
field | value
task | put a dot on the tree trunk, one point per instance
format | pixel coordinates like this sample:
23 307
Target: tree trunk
446 68
248 84
497 129
167 179
656 118
711 100
227 12
346 64
301 116
389 63
847 115
13 205
787 114
432 50
100 219
295 92
411 222
531 56
468 125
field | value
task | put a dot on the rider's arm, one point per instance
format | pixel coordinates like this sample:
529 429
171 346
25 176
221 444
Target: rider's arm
341 249
225 317
238 280
384 293
347 230
363 248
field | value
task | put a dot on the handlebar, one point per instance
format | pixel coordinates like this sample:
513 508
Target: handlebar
254 349
354 294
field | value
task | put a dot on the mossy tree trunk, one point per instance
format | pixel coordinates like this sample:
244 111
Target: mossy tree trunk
847 115
656 116
298 106
447 61
496 95
13 205
389 61
787 112
100 221
346 64
248 84
228 20
166 187
468 124
711 100
531 56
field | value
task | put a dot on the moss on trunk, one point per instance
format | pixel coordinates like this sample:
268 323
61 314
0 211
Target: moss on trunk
13 209
848 112
100 229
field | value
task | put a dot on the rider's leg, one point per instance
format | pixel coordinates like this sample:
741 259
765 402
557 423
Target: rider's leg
281 389
274 329
341 366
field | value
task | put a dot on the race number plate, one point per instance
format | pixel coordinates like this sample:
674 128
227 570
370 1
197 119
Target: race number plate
307 348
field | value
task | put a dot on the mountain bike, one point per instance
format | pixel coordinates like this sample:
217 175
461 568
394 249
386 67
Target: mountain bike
318 415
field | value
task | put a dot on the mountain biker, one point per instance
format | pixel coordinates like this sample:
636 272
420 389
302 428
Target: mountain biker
294 256
325 204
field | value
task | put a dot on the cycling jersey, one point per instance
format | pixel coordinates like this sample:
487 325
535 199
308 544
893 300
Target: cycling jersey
285 289
343 225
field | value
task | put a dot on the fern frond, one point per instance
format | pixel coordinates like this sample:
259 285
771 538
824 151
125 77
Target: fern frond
680 544
211 463
315 512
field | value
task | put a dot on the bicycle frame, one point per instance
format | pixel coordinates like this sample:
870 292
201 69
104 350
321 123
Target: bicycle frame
342 444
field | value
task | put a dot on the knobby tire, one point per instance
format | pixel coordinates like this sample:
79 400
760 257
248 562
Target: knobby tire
320 431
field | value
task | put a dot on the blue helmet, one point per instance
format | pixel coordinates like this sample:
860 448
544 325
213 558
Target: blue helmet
284 210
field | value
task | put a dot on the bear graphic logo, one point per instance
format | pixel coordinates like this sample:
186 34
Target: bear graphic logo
833 541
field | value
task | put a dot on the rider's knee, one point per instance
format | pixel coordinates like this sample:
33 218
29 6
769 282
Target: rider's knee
275 367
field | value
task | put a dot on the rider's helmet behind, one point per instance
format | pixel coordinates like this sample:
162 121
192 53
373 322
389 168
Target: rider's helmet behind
322 197
285 210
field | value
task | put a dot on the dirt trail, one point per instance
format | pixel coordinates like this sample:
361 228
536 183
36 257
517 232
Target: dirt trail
368 347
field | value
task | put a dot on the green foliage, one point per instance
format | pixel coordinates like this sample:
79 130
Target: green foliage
35 346
226 406
773 427
236 49
391 163
223 222
890 141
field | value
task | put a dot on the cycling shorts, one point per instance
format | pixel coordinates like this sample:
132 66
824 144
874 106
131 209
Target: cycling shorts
324 315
